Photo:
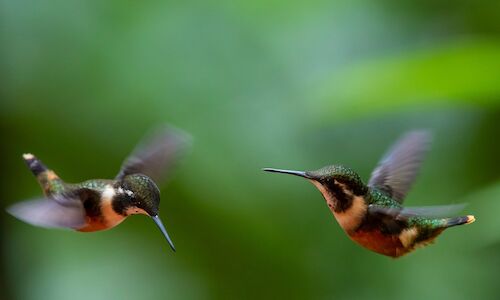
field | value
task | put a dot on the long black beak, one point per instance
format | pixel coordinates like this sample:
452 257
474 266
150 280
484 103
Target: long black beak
163 230
291 172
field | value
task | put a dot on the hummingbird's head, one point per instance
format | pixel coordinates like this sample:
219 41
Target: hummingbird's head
142 194
338 175
335 182
139 194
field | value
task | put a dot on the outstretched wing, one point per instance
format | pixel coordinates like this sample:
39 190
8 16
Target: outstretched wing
156 154
59 212
402 213
395 218
396 172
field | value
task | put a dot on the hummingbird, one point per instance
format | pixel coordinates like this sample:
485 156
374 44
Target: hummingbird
372 214
100 204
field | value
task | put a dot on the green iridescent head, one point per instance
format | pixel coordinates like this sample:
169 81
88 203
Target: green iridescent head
142 193
333 171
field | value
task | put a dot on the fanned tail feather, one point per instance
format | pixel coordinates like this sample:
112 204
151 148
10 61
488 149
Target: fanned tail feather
459 221
34 164
50 182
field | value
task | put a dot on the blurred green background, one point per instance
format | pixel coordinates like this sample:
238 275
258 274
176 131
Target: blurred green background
288 84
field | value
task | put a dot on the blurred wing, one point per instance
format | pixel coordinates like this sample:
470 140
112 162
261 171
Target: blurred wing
62 213
396 172
403 213
156 154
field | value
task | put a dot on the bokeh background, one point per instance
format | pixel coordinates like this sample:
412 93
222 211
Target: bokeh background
288 84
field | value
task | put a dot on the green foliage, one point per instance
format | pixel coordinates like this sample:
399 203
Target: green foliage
461 73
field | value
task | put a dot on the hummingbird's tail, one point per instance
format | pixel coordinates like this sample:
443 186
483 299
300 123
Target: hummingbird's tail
50 182
459 221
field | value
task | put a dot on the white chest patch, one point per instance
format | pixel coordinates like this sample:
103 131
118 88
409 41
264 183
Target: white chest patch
350 218
108 193
111 217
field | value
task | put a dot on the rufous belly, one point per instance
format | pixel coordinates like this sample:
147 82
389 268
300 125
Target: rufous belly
94 224
392 245
374 240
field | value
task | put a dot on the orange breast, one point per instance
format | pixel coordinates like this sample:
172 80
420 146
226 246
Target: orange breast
374 240
94 224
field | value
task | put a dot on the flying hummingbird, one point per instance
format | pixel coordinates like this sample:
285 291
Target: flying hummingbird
372 215
100 204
